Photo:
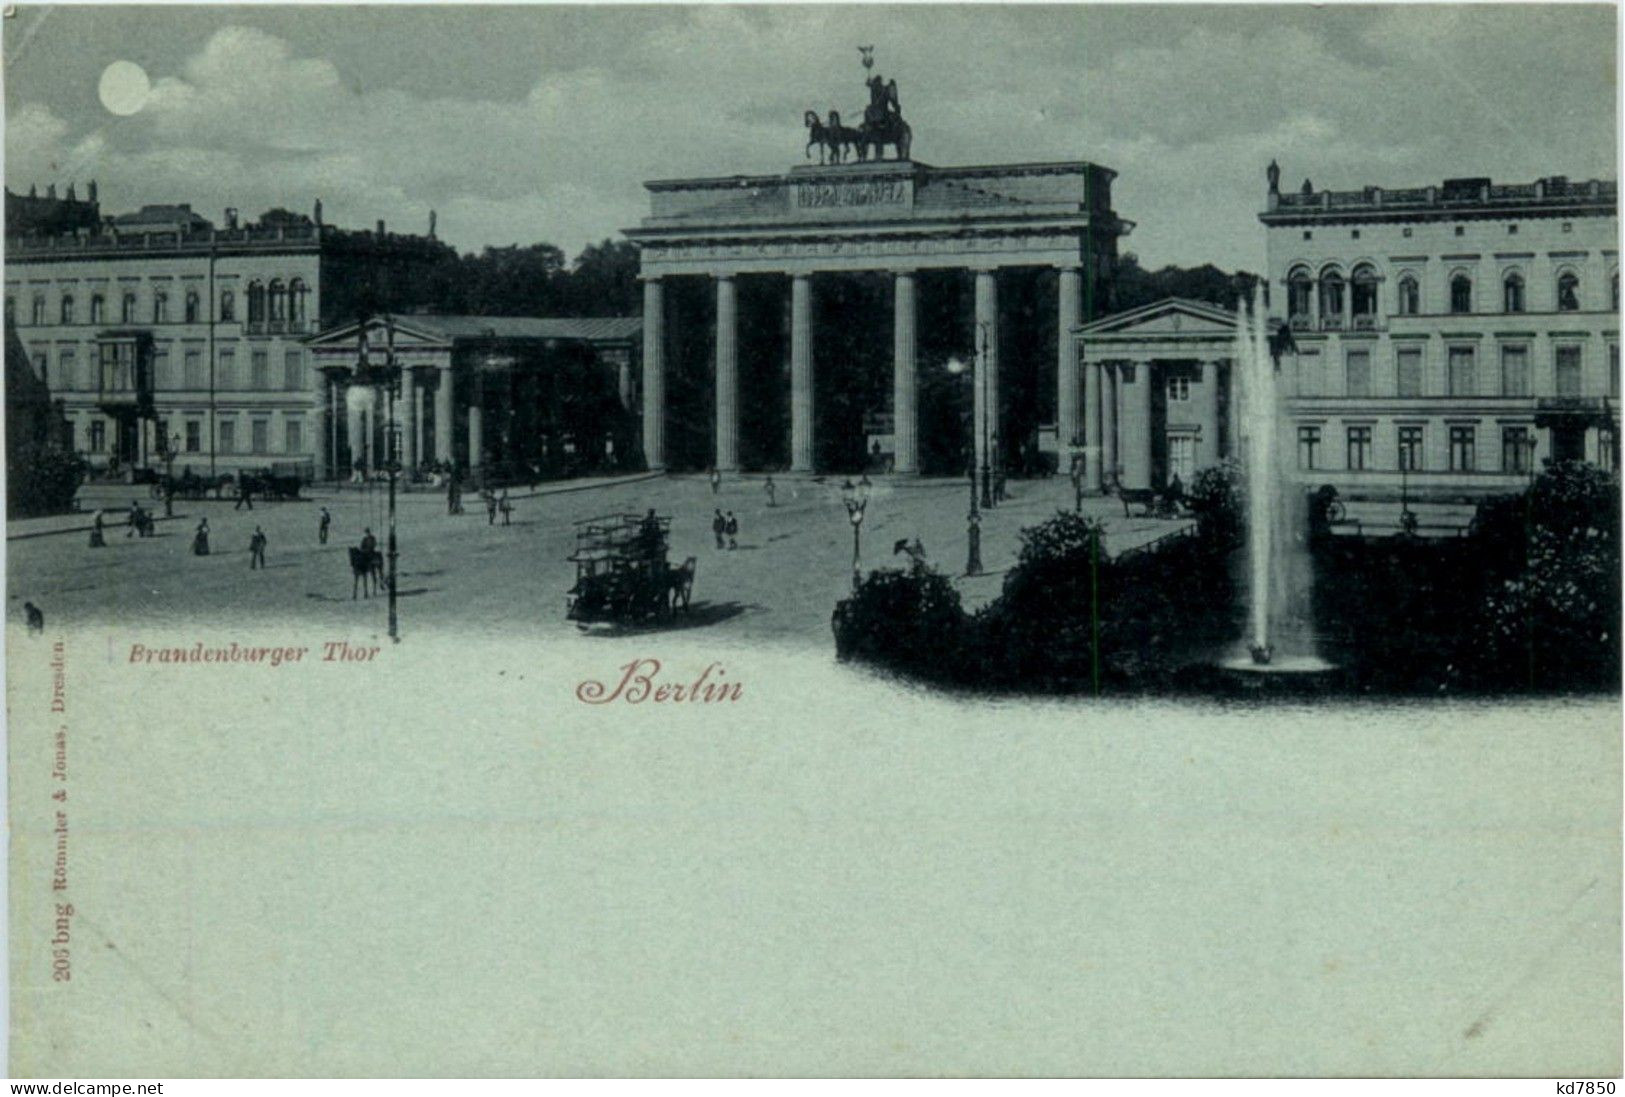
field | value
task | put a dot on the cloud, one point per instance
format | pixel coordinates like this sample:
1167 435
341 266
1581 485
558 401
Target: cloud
1187 104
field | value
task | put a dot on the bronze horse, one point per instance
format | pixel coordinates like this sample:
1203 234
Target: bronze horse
834 137
890 130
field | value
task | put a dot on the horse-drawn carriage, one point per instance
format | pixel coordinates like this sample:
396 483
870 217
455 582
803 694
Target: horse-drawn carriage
622 573
189 485
279 481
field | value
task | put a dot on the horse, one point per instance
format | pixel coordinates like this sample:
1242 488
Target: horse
842 138
817 134
892 131
365 568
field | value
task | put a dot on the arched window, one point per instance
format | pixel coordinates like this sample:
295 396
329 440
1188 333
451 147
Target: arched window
1512 293
1461 293
296 301
1568 292
98 309
38 313
1331 299
228 306
1364 296
1410 296
160 308
279 301
67 308
127 309
191 306
1299 289
256 303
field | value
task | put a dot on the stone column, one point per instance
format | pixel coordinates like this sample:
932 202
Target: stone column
1136 428
1232 373
1091 375
405 412
1105 377
905 415
654 374
1069 431
727 403
986 335
417 424
476 422
323 400
1209 416
442 415
801 375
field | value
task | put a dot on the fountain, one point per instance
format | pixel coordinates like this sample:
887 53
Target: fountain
1280 638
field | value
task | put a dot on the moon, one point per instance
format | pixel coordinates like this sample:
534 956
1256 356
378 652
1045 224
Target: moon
124 87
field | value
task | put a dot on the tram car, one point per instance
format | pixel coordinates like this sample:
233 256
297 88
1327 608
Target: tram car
623 574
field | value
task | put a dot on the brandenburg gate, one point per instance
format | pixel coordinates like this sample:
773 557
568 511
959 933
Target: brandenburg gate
888 216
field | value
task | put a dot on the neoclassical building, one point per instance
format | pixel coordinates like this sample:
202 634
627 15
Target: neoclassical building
1445 341
896 218
163 335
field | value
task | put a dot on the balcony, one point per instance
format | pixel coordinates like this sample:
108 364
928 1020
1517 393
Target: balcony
1365 322
1331 323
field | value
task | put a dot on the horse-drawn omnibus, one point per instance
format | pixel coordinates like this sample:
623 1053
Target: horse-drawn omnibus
622 573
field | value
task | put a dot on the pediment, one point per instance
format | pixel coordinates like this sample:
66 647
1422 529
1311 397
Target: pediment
406 335
1173 316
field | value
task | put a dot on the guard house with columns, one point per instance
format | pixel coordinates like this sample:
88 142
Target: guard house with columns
900 218
1157 385
497 395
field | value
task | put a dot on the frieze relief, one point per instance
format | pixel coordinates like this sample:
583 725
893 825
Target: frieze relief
655 254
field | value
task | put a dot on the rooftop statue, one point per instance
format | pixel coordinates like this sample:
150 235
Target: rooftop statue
883 124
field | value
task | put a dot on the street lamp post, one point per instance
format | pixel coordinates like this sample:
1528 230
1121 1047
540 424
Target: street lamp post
1407 520
388 378
973 520
857 501
989 414
171 444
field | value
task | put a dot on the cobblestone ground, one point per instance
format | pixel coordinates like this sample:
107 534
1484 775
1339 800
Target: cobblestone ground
792 564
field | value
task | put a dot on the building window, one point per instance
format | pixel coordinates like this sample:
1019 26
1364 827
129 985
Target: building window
1410 298
1298 290
1607 448
98 309
293 436
226 441
194 436
1331 299
1568 292
1364 295
160 308
1512 230
194 369
259 370
98 435
38 314
1308 447
1461 380
67 308
1308 235
1461 449
191 306
1512 293
127 309
256 303
1406 231
293 371
1410 448
279 301
1359 455
226 378
1613 369
1355 235
1568 371
1179 388
1514 371
228 306
1461 230
1515 455
1613 292
297 293
160 369
1358 373
260 435
67 370
41 368
1461 294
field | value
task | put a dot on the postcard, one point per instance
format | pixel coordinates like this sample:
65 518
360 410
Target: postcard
925 540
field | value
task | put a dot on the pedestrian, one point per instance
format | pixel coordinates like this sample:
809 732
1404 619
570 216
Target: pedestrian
322 527
733 531
200 539
256 549
506 508
369 544
96 538
490 506
716 482
245 495
772 490
135 520
719 526
169 498
451 495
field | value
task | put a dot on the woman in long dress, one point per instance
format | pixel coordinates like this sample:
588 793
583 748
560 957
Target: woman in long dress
96 538
200 539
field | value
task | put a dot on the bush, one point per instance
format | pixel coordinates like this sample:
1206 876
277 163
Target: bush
903 620
42 480
1217 498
